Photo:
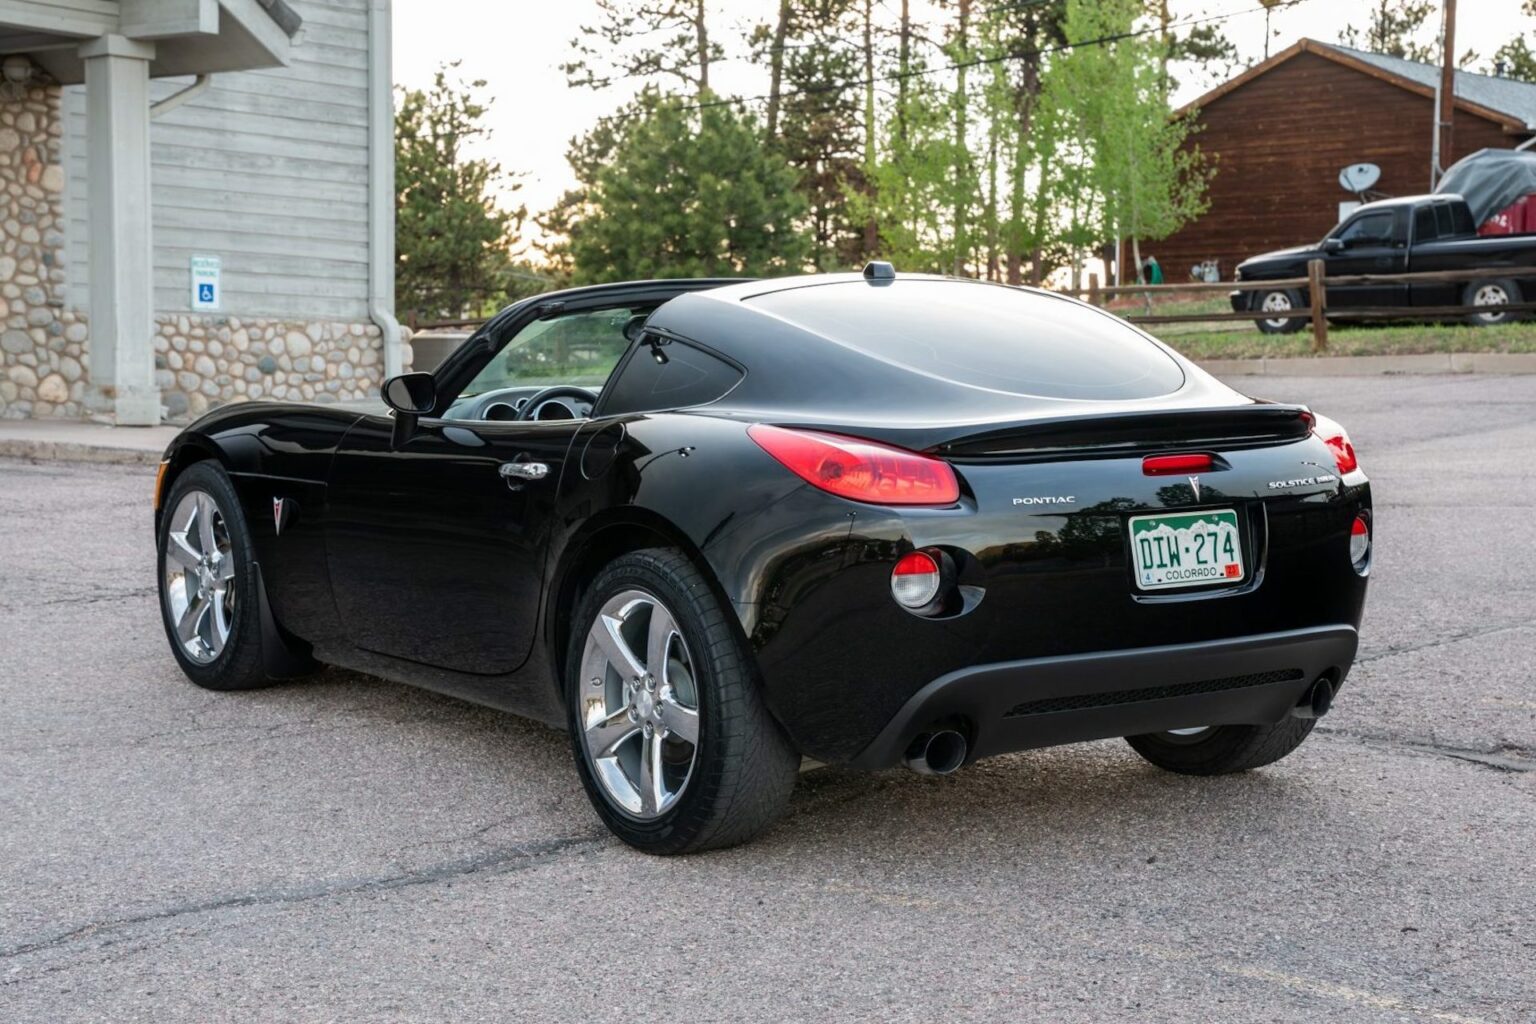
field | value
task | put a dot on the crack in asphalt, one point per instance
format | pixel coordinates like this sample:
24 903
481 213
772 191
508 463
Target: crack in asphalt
1444 641
518 857
1503 757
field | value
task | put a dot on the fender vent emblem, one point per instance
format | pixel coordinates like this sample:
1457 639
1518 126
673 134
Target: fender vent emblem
279 517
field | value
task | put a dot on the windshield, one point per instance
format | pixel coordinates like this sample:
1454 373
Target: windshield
578 348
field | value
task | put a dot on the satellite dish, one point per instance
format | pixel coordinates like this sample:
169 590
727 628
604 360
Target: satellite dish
1357 178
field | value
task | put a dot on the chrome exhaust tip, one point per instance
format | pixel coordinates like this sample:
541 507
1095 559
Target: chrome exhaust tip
936 753
1317 701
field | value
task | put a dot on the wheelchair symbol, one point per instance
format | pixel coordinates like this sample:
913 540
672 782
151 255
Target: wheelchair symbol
205 293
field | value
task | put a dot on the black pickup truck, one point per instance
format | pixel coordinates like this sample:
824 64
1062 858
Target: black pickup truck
1395 236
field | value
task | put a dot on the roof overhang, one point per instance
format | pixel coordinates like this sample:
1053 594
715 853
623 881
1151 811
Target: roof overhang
1513 125
190 37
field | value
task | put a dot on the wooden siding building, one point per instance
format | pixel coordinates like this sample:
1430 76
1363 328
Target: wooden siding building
196 205
1279 134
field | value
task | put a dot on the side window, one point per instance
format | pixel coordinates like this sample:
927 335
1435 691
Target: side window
1444 221
1461 219
1371 229
665 373
1424 226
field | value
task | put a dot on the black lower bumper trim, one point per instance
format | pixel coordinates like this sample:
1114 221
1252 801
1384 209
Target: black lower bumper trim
1042 702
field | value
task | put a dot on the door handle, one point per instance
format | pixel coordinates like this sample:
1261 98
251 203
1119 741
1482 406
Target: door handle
524 470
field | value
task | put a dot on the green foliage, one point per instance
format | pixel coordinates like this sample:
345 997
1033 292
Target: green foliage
685 192
970 142
453 241
1391 28
1139 178
819 126
1515 58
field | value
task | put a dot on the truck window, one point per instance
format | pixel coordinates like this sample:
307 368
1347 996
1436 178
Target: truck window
1445 220
1461 219
1377 228
1425 228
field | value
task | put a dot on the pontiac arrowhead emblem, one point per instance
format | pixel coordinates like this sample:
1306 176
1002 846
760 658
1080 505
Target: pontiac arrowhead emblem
1194 483
278 508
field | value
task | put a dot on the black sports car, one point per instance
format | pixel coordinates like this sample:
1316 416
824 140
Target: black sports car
714 528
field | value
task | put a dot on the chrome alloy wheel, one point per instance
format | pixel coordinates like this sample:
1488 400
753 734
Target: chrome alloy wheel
199 577
1490 295
638 713
1276 302
1193 734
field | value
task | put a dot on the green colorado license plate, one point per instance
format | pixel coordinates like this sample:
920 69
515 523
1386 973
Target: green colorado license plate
1186 549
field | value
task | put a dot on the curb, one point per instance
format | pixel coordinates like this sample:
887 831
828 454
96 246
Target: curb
1365 366
68 451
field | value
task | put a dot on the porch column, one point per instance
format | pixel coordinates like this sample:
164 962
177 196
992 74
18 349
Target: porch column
122 264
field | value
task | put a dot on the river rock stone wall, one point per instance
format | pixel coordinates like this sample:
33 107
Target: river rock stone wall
201 361
42 347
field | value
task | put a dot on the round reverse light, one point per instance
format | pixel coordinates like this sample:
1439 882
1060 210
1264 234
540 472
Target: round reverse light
915 580
1359 543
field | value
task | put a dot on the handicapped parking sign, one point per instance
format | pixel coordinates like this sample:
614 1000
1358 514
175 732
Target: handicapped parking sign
205 283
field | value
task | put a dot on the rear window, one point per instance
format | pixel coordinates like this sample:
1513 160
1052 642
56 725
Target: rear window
984 336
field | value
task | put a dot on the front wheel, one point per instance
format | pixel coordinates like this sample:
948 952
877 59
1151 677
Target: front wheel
1281 300
1221 749
1491 295
208 589
674 744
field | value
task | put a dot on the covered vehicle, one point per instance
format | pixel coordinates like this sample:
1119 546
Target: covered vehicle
1499 186
715 528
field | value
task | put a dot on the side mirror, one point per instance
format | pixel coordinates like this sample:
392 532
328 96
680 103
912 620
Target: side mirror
1333 245
412 393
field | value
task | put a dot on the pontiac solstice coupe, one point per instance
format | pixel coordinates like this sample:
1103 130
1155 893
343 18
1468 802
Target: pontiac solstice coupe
714 528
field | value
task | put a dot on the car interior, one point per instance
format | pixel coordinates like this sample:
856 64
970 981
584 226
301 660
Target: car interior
552 369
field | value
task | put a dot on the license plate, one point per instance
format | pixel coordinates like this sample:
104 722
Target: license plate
1186 549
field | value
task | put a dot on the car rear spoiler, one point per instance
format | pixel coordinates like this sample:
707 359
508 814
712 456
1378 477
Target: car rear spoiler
1136 433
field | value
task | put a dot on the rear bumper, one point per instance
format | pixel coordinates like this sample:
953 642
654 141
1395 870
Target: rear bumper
1041 702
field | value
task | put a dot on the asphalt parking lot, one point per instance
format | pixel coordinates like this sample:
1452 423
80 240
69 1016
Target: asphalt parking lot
343 849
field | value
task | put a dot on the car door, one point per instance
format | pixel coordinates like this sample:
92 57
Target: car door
437 532
436 556
1373 242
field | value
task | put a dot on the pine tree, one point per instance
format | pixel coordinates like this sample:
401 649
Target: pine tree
1391 30
690 191
453 241
646 39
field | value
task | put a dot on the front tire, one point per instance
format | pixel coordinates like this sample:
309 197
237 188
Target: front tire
1279 300
1222 749
208 589
673 741
1491 293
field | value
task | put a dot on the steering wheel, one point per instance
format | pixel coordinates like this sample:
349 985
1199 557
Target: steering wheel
530 409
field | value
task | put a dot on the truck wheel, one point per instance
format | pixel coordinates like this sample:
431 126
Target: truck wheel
1281 300
1492 292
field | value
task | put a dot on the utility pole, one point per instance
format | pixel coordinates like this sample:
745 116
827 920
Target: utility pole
1447 93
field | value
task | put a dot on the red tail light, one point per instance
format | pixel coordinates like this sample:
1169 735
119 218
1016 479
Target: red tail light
1160 465
857 469
1337 441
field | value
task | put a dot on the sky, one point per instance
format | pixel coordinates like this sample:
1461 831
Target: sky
517 47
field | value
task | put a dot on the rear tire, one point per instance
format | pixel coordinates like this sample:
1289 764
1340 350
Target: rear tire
1491 292
208 590
1223 749
1279 300
633 704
